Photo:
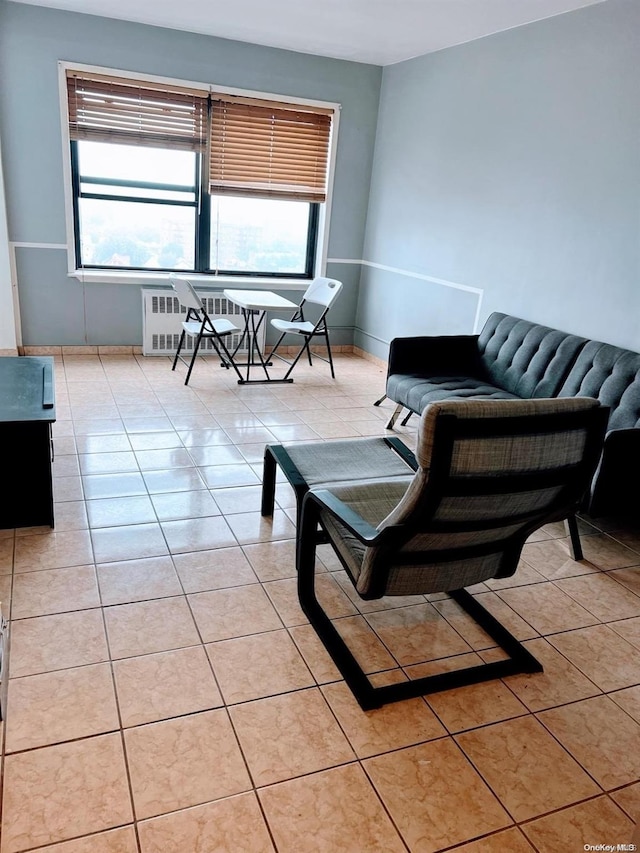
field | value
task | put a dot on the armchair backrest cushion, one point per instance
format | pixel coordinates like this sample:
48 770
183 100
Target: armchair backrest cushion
490 472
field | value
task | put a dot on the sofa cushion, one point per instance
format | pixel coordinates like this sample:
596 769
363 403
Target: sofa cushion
524 358
612 376
415 392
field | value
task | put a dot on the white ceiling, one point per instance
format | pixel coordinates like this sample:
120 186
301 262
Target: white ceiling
377 31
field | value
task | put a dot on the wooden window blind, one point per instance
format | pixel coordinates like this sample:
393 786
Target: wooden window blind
117 110
266 149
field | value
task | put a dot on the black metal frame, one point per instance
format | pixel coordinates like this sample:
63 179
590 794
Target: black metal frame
311 531
208 331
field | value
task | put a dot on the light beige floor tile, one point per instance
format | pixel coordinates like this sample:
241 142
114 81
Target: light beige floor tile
239 499
547 608
528 770
551 558
603 596
249 527
297 812
112 544
225 613
629 578
58 706
206 570
629 799
183 505
507 616
220 454
169 684
67 489
601 736
176 480
605 553
316 656
60 641
149 626
7 545
629 701
97 486
364 643
579 826
463 623
475 705
138 580
629 629
184 762
602 655
284 595
197 534
203 437
102 443
43 788
507 841
227 476
449 802
54 591
560 682
116 512
108 463
121 840
71 515
416 634
289 735
163 459
234 824
273 560
393 726
258 666
52 550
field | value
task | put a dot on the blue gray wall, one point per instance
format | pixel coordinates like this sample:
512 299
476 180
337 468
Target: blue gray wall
510 165
56 309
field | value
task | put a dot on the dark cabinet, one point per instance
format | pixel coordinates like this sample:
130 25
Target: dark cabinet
27 410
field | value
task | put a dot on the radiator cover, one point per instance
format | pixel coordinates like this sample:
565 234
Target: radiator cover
162 317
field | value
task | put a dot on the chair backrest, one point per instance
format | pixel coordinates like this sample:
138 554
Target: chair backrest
323 291
185 292
490 473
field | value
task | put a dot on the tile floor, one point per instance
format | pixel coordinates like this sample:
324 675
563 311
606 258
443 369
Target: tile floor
168 696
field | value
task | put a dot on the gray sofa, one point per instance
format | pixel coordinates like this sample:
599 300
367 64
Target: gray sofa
514 358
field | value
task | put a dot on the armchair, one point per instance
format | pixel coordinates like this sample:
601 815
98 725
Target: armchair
488 474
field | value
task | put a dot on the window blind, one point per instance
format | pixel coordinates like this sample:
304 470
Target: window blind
117 110
255 147
266 149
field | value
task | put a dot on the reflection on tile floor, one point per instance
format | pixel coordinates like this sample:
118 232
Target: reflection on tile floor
167 694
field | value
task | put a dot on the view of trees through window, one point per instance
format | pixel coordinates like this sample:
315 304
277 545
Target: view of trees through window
139 208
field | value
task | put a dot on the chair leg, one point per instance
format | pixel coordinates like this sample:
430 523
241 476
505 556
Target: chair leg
297 358
575 546
381 400
180 343
326 334
394 416
405 420
193 357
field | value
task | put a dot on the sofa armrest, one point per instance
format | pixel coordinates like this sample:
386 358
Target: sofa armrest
615 486
445 355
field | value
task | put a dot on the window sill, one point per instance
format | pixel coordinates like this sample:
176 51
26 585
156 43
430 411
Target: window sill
217 282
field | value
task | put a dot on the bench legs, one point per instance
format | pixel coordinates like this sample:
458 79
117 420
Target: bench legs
394 416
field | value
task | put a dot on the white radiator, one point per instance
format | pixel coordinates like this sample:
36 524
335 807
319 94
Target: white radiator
162 317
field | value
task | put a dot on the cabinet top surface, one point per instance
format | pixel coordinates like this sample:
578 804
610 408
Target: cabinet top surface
27 389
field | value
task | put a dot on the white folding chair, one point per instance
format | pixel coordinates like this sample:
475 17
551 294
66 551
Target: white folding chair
199 325
323 292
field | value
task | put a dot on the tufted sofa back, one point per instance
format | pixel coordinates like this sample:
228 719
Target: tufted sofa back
525 358
612 376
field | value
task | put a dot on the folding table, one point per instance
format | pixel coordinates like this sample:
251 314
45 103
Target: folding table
256 303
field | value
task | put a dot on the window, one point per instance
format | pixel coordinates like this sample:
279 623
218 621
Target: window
176 179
